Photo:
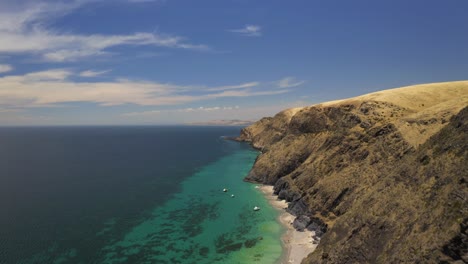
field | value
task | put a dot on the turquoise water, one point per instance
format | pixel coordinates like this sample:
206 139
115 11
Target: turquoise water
203 224
131 195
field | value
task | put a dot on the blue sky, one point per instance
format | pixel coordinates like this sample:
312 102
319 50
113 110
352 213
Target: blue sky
119 62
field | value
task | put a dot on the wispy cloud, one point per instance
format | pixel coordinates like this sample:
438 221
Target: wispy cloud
24 31
55 87
10 110
41 76
289 82
234 87
145 1
90 73
206 114
249 31
183 110
5 68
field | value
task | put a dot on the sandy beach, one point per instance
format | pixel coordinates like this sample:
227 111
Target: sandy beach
297 244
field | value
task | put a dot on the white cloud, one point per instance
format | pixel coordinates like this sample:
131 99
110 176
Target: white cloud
289 82
233 87
5 68
144 1
53 87
23 31
183 110
90 73
249 31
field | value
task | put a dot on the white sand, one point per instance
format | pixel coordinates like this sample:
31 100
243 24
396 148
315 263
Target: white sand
297 244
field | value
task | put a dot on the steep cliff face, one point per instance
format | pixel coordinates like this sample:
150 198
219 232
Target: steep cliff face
384 176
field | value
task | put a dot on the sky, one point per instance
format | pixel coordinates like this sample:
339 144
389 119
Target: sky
157 62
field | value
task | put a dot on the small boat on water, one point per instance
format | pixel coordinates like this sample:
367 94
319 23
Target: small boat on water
225 190
232 195
256 208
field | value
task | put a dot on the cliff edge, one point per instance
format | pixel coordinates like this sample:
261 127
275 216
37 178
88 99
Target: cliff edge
381 178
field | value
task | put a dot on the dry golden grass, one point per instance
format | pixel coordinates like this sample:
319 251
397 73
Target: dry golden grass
426 108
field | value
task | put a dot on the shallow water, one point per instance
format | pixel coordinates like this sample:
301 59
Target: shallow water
131 195
203 224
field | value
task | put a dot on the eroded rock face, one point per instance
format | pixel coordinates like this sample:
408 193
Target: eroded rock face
267 130
351 173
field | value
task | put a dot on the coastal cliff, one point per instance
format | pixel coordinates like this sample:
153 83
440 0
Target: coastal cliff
381 178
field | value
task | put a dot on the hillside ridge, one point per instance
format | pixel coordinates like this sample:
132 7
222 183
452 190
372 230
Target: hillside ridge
383 177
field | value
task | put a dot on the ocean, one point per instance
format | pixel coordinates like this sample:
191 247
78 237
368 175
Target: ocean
131 195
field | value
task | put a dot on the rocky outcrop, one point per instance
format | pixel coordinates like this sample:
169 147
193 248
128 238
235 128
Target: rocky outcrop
268 130
382 178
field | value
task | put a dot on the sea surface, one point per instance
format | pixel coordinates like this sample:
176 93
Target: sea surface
131 195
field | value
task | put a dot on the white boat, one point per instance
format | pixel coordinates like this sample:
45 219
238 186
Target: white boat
232 195
256 208
225 190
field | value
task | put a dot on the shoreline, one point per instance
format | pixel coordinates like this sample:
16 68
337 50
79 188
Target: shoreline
296 244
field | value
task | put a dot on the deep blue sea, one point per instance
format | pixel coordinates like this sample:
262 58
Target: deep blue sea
131 195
